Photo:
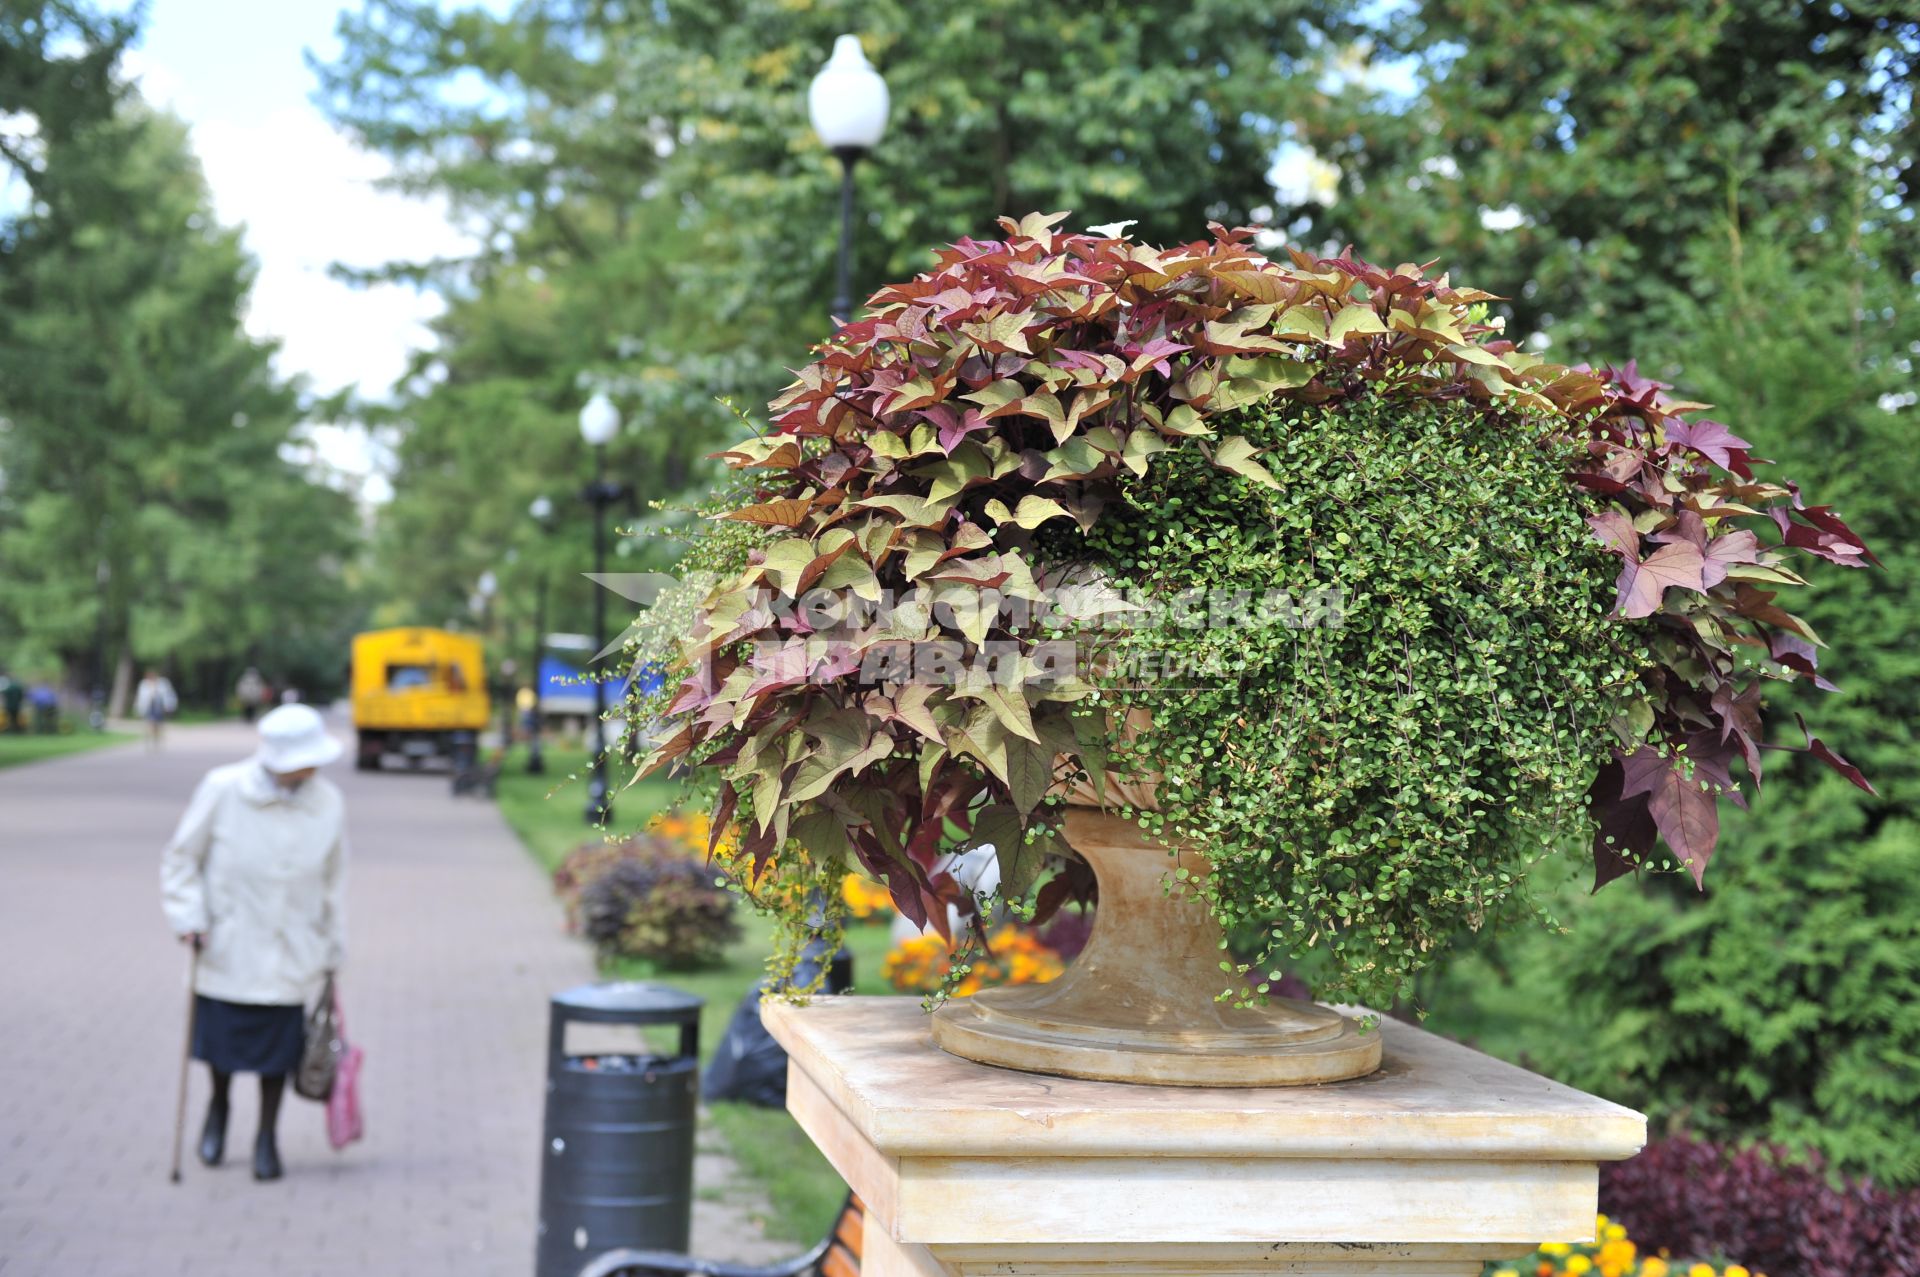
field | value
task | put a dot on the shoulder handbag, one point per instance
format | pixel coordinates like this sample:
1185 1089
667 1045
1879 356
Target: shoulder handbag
320 1053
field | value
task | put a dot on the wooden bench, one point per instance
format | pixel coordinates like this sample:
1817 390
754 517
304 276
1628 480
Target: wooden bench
837 1255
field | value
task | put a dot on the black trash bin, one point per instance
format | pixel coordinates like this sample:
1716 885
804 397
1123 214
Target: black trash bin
617 1159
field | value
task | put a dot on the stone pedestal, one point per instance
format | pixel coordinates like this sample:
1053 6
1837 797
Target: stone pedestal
1440 1161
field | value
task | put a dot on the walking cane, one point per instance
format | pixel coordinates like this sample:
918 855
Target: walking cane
186 1061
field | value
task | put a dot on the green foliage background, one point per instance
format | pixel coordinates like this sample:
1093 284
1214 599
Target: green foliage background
658 215
148 508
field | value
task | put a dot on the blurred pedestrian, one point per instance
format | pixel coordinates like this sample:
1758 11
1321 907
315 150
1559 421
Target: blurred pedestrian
251 692
46 708
153 703
255 881
13 694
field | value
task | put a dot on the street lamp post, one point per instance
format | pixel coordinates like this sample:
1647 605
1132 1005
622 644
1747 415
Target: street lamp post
847 103
599 423
542 512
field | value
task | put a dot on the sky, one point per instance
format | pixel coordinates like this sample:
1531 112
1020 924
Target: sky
305 195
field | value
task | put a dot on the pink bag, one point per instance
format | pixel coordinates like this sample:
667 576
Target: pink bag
343 1105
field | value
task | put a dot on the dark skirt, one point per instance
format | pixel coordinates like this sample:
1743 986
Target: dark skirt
239 1037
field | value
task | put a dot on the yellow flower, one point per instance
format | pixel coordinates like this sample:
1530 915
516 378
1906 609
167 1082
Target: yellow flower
1701 1270
691 832
1011 956
1616 1256
865 897
1735 1270
1578 1264
1505 1272
1653 1266
1556 1248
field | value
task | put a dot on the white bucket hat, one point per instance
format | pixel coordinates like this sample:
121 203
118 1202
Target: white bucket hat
293 738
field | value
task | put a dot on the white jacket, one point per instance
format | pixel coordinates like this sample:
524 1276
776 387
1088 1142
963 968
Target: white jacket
262 874
152 694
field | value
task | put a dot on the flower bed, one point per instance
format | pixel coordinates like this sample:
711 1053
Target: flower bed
1611 1254
928 964
652 896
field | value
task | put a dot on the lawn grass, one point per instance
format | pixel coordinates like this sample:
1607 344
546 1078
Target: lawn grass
548 811
16 750
801 1189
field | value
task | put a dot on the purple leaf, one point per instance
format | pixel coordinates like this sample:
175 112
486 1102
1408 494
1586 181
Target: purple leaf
1615 531
1687 816
1798 655
1621 826
1155 354
1644 584
1711 439
1818 748
1640 389
1718 552
1740 720
723 807
1712 755
1827 536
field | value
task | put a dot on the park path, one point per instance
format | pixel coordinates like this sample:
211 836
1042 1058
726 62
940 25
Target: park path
454 945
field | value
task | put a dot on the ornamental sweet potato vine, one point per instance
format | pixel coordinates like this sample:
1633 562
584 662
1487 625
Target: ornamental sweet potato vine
874 677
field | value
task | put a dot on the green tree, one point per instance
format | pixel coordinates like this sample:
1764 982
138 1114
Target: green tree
1575 157
146 511
652 211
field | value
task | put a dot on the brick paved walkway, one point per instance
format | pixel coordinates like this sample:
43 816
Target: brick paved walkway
454 945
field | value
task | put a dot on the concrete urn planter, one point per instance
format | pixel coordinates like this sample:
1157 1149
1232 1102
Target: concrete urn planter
1139 1004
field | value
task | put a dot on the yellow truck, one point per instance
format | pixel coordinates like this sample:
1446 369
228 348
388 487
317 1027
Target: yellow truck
417 692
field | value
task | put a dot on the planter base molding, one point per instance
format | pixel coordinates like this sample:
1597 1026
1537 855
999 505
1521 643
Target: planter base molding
1139 1005
1440 1160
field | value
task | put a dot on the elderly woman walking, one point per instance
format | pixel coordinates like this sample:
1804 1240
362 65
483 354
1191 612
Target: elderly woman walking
255 880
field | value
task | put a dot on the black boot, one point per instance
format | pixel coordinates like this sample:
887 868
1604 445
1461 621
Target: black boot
266 1157
266 1153
213 1136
